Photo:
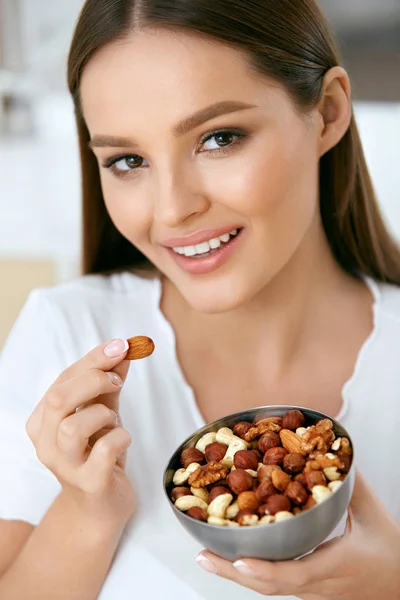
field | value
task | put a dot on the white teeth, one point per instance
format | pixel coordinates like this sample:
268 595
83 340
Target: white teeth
215 243
205 247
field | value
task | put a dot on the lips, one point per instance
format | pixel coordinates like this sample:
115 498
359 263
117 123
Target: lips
203 258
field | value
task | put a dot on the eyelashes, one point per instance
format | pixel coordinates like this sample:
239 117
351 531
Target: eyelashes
227 141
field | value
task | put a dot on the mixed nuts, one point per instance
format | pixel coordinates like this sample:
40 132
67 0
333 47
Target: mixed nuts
262 472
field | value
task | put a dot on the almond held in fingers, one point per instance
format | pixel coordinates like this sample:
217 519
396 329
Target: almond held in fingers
140 346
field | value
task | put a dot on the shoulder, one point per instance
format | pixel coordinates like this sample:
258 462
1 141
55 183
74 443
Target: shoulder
99 292
387 302
91 309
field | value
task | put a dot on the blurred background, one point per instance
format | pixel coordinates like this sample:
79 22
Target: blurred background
39 169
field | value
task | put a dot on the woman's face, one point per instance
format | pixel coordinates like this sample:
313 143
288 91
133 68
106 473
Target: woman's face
206 167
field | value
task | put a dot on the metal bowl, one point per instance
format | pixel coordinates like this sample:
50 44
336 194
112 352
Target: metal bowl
284 540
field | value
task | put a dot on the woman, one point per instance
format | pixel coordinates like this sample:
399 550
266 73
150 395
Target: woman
229 215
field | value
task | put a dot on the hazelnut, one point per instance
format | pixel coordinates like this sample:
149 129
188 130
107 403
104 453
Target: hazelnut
218 490
191 455
197 513
265 472
180 491
296 493
314 478
248 501
239 481
301 479
280 479
346 460
309 504
294 463
246 517
258 455
265 489
277 503
263 510
293 419
245 459
274 456
215 451
240 429
269 440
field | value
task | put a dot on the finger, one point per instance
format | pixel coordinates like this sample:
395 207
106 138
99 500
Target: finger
63 400
104 456
74 431
223 568
104 357
112 399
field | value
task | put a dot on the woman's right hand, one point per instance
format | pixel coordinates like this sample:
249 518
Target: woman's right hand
85 449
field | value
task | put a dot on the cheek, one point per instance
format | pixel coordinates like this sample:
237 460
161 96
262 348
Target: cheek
128 208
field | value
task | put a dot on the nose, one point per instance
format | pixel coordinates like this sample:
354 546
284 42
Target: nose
178 197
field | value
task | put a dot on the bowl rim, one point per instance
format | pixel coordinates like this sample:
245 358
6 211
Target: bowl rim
207 428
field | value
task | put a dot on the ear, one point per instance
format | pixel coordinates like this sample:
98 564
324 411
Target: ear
335 109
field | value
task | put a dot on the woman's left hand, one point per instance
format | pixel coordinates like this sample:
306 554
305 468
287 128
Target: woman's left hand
363 563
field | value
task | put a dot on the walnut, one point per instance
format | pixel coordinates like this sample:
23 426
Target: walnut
324 461
262 427
208 474
319 436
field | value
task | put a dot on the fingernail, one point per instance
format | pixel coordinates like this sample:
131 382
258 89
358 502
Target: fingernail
118 421
243 568
206 564
116 348
115 379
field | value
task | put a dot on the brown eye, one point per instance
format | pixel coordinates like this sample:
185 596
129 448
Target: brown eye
134 162
224 139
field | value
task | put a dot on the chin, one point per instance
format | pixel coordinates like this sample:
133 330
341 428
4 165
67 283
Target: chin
217 299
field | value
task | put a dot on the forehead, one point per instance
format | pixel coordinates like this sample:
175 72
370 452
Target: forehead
163 75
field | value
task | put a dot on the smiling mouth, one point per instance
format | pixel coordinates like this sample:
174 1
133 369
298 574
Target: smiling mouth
207 248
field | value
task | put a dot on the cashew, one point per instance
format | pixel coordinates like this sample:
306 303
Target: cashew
185 502
336 444
331 473
232 524
267 520
335 485
208 438
200 493
283 515
251 472
232 510
225 435
182 475
217 521
330 456
235 445
320 493
259 466
217 508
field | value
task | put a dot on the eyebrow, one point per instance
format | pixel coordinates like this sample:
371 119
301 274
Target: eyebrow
184 126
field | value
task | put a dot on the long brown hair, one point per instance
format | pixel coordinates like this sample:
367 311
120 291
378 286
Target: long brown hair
290 41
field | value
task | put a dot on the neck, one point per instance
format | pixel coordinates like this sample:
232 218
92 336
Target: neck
292 310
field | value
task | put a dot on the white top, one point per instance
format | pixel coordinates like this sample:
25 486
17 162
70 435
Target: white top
156 557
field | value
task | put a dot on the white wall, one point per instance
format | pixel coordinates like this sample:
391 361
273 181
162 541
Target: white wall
40 190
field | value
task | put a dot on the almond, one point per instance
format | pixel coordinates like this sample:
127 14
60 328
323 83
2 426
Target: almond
291 442
139 347
280 480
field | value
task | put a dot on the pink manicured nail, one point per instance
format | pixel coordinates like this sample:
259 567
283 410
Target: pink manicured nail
206 564
115 379
243 568
116 348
